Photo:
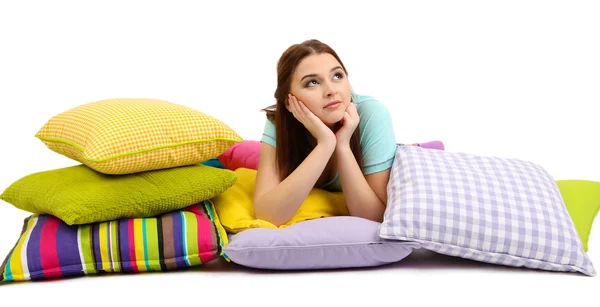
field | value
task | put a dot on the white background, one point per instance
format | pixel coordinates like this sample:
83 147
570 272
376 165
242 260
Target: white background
513 79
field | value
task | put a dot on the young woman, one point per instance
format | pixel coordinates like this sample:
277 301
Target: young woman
320 134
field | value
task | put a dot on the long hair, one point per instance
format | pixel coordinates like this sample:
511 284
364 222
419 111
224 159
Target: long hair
293 141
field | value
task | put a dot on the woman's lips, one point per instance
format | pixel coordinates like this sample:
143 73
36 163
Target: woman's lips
333 104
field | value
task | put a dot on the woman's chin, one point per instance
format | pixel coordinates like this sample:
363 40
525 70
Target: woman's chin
332 124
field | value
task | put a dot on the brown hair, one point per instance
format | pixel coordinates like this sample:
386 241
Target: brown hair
294 142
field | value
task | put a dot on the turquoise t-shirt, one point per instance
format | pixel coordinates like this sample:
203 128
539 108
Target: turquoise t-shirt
377 139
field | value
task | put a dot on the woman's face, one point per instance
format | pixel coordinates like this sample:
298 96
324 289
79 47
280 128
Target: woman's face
319 81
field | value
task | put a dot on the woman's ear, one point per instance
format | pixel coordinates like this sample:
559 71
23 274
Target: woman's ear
287 102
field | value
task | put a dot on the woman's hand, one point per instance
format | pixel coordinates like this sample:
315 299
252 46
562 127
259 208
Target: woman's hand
349 123
313 124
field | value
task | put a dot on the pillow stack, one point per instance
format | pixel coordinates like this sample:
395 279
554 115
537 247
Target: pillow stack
139 200
163 187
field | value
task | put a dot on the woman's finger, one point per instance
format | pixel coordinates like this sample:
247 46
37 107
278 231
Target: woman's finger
298 109
298 105
304 108
354 111
347 118
351 109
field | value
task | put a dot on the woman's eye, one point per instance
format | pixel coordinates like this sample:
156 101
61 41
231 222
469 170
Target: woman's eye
338 75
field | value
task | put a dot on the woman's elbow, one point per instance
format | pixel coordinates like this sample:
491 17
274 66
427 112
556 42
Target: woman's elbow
265 213
259 211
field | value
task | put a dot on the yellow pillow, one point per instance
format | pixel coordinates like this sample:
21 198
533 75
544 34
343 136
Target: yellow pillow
130 135
235 206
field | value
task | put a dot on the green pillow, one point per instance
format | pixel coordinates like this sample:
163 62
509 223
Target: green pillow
582 198
81 195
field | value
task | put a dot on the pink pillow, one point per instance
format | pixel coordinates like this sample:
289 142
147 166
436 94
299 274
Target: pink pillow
439 145
245 154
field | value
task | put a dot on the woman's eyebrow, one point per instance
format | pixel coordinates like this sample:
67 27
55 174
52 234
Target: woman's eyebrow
314 75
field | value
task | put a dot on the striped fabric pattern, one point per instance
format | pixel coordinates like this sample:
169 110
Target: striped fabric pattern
129 135
49 248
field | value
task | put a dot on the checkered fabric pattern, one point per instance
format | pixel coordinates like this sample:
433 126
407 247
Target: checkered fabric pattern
495 210
130 135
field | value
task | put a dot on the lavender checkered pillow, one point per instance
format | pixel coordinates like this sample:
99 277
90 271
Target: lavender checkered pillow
496 210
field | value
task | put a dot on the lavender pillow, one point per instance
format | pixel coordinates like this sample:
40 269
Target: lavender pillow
324 243
496 210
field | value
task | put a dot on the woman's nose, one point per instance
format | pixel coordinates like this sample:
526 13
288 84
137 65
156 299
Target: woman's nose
329 89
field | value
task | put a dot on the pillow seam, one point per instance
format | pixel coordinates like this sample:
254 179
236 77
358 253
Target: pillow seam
130 153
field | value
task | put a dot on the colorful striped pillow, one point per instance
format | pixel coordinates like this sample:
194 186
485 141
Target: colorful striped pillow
49 248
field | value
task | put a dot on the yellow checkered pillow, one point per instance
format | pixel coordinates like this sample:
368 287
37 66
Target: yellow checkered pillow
129 135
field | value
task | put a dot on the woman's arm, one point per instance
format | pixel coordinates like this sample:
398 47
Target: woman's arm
366 196
277 201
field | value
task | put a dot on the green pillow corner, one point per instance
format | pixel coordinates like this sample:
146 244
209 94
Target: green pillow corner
80 195
582 199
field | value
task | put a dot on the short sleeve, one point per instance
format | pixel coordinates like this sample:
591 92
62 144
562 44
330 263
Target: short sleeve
269 133
378 142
